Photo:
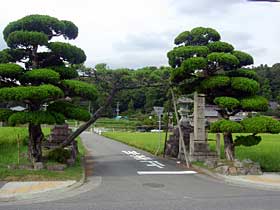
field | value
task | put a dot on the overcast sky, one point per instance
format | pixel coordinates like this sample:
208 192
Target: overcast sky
137 33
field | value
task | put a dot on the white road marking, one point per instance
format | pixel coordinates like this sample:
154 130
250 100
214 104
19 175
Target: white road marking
165 172
154 163
144 159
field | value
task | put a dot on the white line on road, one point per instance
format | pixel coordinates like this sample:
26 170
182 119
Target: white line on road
165 172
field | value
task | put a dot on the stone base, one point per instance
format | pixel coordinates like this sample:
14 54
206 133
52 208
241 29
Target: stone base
199 151
203 156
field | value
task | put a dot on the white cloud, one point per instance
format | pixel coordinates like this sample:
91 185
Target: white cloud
138 33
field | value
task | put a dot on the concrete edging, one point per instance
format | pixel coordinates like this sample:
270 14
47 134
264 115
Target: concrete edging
236 182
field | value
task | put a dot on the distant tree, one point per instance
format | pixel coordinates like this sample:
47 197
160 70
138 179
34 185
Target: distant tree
130 106
205 64
47 78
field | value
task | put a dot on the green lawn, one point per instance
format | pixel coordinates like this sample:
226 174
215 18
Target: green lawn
143 140
9 156
266 152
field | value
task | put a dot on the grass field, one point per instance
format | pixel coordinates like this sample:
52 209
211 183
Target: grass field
110 123
266 152
9 156
143 140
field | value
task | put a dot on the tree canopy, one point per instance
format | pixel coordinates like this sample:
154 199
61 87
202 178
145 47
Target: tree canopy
46 79
202 62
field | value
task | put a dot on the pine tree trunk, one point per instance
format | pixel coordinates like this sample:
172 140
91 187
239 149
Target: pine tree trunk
35 142
229 146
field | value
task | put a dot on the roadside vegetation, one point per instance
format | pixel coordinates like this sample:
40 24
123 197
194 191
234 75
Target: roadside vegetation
266 152
9 157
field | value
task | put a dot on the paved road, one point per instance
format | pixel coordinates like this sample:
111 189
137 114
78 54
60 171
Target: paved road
122 188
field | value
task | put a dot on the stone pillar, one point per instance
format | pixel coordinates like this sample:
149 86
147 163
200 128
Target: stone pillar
199 117
199 150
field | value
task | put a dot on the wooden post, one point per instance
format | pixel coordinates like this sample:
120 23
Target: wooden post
218 144
18 145
181 140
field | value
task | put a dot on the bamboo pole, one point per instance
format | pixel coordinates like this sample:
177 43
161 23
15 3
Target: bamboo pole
181 140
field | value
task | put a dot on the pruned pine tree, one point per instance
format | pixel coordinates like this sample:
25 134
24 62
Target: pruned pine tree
203 63
46 78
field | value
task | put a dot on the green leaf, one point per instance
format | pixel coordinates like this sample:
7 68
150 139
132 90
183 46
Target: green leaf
26 39
5 114
5 57
183 37
36 117
227 102
179 54
226 126
65 72
255 103
244 58
247 141
39 76
70 111
215 82
78 88
226 60
38 23
246 85
251 74
68 52
220 47
203 36
9 70
261 125
33 93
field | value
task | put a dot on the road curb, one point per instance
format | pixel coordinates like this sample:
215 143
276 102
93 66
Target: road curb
236 182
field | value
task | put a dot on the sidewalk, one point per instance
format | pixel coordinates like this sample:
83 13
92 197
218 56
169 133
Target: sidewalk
16 190
269 181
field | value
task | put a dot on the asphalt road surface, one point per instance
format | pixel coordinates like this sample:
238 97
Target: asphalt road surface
122 188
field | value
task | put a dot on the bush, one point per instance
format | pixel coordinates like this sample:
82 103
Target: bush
59 155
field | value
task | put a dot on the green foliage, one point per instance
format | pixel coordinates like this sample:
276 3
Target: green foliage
68 52
226 126
251 74
81 89
254 103
59 155
192 64
65 72
5 57
247 141
14 54
32 93
220 47
178 54
5 114
202 36
9 70
19 39
42 23
36 117
70 111
70 30
215 82
246 85
226 60
227 102
38 76
182 38
244 58
261 125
